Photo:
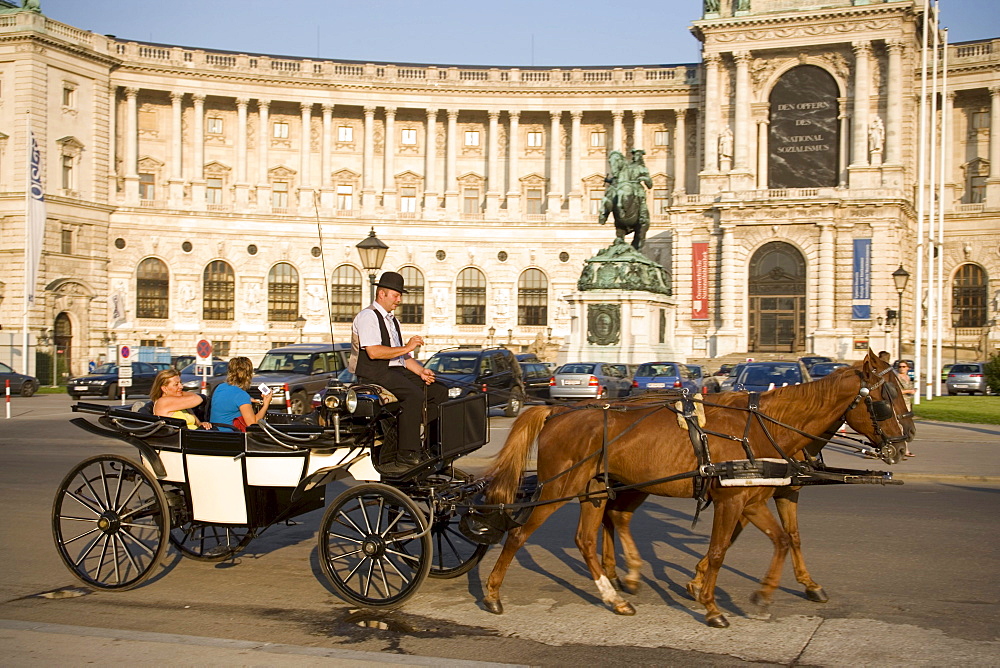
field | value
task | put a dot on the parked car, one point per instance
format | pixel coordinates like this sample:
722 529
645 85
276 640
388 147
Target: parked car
180 362
160 366
821 369
729 381
810 360
966 377
587 380
298 371
536 379
103 381
191 379
724 370
706 384
763 376
944 372
19 383
653 376
494 371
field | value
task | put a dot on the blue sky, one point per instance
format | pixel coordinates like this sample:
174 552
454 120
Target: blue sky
469 32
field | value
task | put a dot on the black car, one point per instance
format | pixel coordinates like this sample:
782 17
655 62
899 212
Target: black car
19 383
191 379
808 361
764 376
536 379
103 381
821 369
494 371
298 371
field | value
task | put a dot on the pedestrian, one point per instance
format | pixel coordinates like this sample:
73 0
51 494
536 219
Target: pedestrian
903 374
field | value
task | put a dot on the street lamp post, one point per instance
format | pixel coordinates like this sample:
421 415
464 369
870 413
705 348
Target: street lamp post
300 323
491 331
900 277
956 315
372 251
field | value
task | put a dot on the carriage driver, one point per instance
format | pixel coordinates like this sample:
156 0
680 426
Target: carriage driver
378 356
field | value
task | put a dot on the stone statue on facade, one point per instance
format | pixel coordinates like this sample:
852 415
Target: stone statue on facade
725 146
876 135
711 6
742 6
625 196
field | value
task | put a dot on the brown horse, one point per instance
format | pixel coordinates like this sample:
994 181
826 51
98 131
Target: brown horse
645 443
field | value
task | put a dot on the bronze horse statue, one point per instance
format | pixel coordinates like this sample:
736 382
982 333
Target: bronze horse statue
646 443
625 198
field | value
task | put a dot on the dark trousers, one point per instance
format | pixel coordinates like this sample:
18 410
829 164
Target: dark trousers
409 389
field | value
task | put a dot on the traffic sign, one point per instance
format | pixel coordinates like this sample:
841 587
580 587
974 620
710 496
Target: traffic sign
204 350
124 352
124 382
124 371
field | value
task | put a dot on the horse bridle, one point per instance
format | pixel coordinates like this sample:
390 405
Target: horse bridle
879 410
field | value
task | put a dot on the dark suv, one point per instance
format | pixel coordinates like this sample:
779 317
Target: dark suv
494 371
296 372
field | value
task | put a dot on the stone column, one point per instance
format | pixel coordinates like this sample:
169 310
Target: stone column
711 150
948 128
389 161
493 181
324 158
637 130
680 150
242 186
762 152
513 173
305 156
894 109
263 184
451 164
842 118
862 80
741 140
176 184
431 203
617 131
368 163
727 301
557 177
198 175
575 187
993 183
131 147
825 284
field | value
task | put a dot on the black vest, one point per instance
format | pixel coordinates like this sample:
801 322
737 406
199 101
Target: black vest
368 368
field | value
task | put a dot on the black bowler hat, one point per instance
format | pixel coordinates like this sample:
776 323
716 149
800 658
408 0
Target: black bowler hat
392 281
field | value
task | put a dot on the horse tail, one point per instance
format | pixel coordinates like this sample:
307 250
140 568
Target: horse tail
512 459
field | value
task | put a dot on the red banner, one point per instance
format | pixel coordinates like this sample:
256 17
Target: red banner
699 281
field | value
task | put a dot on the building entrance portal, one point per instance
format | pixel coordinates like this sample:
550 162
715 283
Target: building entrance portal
64 347
777 299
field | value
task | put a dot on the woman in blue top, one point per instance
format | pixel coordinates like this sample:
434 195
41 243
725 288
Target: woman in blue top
230 400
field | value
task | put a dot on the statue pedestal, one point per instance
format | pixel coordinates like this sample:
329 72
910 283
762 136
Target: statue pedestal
631 327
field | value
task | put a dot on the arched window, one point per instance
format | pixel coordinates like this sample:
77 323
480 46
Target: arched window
345 293
411 310
470 297
777 290
152 289
532 298
969 295
219 301
283 293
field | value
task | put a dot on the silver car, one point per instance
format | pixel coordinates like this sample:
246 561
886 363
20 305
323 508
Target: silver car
589 380
966 377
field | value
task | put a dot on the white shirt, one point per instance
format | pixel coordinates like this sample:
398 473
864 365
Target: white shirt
366 328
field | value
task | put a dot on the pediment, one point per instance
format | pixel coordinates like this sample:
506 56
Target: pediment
216 168
471 179
281 172
345 175
408 178
533 180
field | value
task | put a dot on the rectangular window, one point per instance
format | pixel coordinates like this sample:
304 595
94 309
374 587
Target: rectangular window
408 199
534 139
977 190
596 197
660 201
280 130
470 200
345 133
345 198
597 139
214 126
980 120
408 137
213 190
660 138
67 172
472 138
69 97
147 186
220 348
279 195
151 343
533 200
66 242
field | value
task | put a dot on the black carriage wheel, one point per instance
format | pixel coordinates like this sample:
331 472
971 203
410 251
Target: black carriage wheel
110 522
209 542
374 546
454 554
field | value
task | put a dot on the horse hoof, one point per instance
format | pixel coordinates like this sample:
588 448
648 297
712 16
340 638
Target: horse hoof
631 587
717 622
694 590
616 583
624 609
817 595
496 607
759 599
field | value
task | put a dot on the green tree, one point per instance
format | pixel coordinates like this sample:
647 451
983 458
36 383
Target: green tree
992 371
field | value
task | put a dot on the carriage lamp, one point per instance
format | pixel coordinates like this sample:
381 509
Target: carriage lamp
372 251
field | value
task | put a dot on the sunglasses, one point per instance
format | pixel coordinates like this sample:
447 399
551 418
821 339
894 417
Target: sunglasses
904 366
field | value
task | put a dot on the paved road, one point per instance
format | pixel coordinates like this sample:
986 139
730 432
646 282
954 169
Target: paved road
911 573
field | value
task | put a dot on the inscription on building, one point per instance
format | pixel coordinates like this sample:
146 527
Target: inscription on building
803 133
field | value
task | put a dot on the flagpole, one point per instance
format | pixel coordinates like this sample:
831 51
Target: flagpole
34 229
27 246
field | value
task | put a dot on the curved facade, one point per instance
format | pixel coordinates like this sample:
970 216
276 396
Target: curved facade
197 194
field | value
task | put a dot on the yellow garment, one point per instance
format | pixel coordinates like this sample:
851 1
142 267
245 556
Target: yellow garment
187 416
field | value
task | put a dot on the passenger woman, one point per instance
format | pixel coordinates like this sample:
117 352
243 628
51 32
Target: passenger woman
231 401
170 399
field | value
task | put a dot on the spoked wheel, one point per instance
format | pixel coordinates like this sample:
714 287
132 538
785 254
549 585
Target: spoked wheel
210 542
374 546
454 554
110 522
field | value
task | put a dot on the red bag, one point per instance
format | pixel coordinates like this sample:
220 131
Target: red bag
240 424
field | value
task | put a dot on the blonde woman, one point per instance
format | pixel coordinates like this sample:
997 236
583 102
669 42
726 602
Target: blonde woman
231 401
171 400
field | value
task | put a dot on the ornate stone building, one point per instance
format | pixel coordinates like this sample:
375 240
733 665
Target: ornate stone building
194 193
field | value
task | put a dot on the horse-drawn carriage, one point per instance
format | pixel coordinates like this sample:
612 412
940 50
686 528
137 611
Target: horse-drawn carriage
209 493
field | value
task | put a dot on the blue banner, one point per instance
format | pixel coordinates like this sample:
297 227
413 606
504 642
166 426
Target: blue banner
861 307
